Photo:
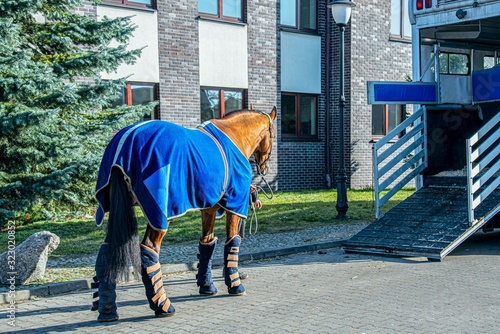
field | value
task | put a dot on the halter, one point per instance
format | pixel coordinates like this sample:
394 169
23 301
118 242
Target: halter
271 128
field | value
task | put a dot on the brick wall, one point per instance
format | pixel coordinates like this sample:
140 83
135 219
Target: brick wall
263 67
369 55
179 65
302 164
86 8
374 57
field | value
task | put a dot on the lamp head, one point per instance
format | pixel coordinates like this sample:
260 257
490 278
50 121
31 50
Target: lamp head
341 11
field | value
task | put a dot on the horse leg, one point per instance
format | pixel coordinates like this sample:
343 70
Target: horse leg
231 251
206 249
152 275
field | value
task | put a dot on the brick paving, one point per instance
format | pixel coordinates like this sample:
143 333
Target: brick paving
326 291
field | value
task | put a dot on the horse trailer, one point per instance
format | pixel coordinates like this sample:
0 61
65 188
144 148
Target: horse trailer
450 145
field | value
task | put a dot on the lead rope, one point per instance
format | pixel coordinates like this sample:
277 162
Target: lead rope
267 184
252 217
252 205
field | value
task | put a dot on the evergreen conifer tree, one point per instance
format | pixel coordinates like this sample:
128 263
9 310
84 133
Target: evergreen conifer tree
55 119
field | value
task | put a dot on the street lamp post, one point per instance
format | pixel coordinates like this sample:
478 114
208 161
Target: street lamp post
341 12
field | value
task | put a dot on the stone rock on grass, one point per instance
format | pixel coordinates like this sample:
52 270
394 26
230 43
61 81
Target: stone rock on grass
30 259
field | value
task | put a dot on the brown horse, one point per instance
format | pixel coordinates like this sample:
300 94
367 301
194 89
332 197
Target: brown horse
168 170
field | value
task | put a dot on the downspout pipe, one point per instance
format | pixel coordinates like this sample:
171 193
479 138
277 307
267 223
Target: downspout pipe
328 167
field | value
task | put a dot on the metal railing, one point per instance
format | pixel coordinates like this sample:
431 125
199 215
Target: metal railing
483 164
385 172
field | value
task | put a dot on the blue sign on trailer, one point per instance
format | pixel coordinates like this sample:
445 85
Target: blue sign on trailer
485 85
387 92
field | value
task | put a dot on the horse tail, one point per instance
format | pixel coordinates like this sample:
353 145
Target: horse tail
122 237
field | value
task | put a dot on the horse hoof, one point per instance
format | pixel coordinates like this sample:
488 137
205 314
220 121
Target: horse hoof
208 290
170 313
108 317
237 291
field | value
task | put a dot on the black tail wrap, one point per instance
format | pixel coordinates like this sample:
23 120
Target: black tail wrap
106 304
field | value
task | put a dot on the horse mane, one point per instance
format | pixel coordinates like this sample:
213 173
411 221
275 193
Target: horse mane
235 113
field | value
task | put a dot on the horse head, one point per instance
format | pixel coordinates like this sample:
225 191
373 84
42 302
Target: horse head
262 153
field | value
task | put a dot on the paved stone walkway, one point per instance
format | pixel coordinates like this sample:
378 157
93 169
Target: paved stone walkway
316 292
79 267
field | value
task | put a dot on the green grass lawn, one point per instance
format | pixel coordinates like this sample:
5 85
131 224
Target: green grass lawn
287 211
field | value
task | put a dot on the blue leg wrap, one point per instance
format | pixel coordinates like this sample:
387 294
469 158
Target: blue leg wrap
204 276
153 282
231 275
106 305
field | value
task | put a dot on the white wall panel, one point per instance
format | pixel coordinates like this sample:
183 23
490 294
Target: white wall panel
146 69
300 63
223 55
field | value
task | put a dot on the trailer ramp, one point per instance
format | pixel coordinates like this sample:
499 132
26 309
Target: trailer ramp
430 223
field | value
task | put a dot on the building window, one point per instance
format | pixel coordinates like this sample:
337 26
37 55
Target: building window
400 22
211 106
299 116
231 10
133 3
386 117
452 63
134 94
299 14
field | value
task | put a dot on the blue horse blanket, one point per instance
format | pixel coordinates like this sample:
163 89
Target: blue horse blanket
171 170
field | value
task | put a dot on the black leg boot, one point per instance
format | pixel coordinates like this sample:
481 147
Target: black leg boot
231 275
106 305
204 276
153 282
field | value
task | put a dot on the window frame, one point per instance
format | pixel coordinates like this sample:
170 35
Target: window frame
297 26
448 53
220 13
403 4
131 3
386 122
127 95
297 136
222 90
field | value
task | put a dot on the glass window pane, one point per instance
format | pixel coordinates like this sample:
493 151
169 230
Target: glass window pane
488 62
146 2
378 112
231 8
308 14
208 6
288 115
459 64
233 101
308 115
119 101
209 104
396 17
142 94
443 63
288 11
406 21
395 115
